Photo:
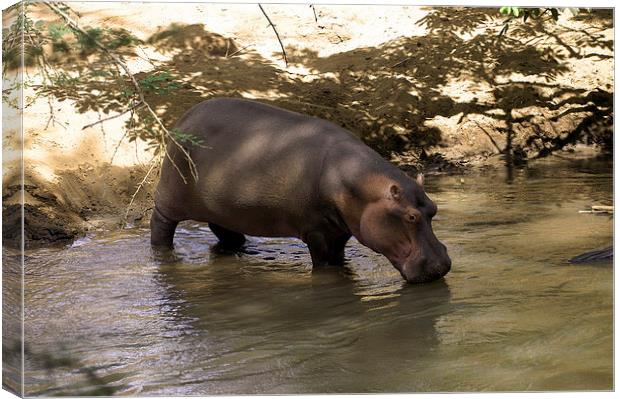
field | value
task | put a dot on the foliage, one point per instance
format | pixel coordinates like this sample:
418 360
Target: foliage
514 13
42 41
81 63
160 83
186 138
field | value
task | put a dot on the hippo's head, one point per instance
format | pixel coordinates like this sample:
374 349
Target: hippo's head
398 225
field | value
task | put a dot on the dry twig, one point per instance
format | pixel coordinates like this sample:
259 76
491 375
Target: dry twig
276 32
316 19
599 209
238 51
133 197
136 106
399 63
499 150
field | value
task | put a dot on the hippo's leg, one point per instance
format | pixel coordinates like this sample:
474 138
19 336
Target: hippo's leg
336 249
326 249
228 239
162 230
319 249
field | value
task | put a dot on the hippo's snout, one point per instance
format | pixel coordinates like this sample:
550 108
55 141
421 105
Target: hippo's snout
424 270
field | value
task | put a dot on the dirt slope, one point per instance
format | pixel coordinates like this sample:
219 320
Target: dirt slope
429 88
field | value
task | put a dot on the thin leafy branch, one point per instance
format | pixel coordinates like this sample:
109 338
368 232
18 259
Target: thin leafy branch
514 13
132 108
92 39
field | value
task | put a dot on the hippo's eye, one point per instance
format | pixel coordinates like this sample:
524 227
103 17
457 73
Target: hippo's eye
413 215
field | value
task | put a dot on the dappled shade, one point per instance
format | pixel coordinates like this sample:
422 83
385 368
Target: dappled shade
385 94
457 92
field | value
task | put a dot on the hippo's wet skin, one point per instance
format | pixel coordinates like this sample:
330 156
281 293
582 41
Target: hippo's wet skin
265 171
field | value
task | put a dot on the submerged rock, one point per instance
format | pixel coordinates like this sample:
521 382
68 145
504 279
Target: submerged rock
599 255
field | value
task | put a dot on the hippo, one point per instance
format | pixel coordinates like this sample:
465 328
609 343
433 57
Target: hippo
266 171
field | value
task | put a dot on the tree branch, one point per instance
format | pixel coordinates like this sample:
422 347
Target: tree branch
316 20
133 197
138 105
165 132
276 32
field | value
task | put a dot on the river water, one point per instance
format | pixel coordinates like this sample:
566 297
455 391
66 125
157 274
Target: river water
107 316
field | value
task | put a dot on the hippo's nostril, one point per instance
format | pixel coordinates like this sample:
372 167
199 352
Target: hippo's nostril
425 269
438 270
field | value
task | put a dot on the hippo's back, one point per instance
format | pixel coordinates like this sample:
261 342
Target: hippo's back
259 167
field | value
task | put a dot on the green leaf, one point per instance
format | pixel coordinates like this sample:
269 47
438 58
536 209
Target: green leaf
185 138
160 83
504 10
515 11
57 30
89 40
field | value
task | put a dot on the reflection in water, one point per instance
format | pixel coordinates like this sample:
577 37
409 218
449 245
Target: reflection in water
512 314
11 322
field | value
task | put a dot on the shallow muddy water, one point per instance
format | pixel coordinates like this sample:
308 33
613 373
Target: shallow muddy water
106 316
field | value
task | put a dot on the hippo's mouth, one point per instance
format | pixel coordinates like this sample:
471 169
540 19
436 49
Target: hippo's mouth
419 278
423 278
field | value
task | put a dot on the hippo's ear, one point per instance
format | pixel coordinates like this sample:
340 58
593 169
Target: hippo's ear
420 179
395 191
